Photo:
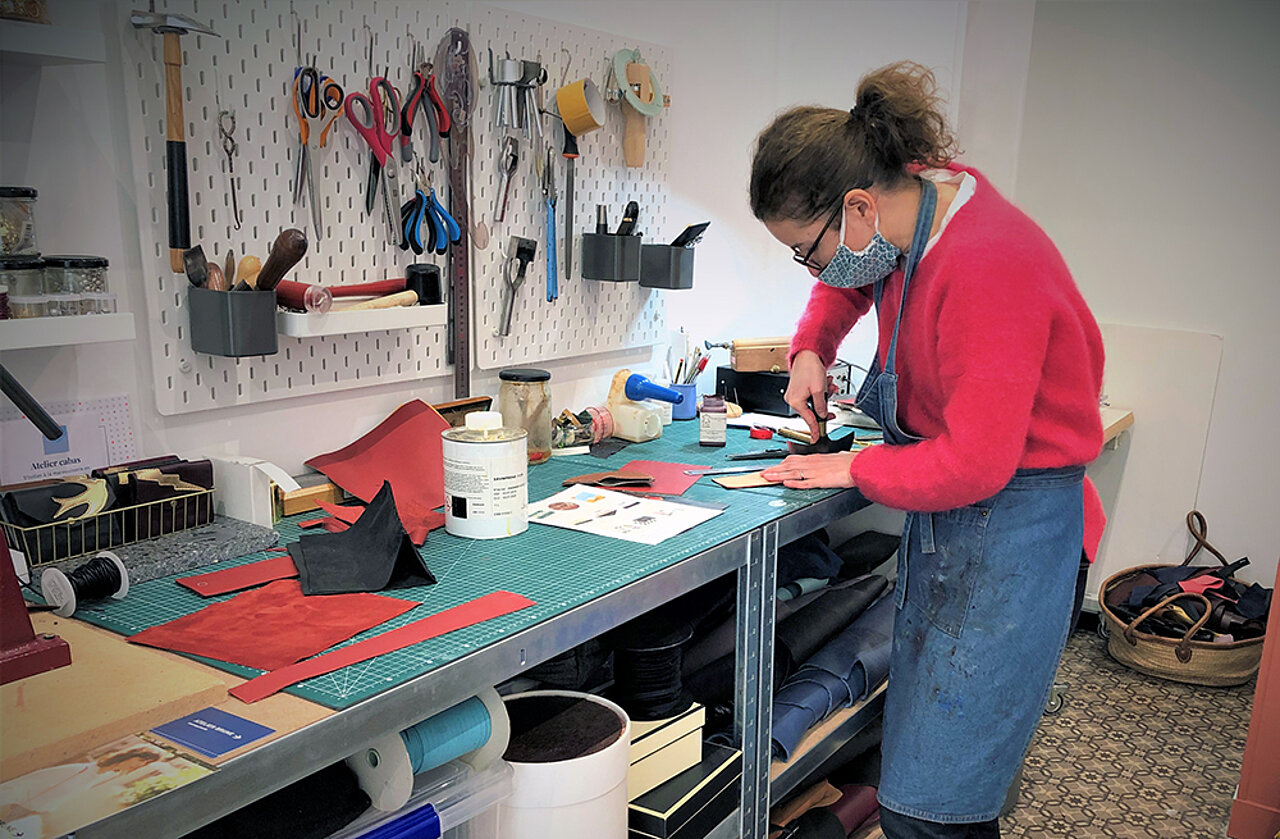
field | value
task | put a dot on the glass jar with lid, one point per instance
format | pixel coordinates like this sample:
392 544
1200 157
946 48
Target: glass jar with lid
17 220
524 400
65 274
24 274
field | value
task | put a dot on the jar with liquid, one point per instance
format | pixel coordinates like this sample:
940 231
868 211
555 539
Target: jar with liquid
524 400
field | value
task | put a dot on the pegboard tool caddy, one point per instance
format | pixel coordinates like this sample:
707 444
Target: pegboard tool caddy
252 76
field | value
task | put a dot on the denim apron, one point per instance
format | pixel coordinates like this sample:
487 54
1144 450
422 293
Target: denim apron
984 598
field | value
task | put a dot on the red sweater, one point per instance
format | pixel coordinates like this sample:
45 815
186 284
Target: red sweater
999 363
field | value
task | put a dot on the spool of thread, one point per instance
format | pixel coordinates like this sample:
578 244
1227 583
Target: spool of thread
475 731
101 577
647 672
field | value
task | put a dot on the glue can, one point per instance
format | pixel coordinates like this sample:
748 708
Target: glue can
486 478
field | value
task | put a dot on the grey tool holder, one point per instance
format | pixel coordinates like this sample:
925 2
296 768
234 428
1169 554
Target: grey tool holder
610 258
232 323
664 266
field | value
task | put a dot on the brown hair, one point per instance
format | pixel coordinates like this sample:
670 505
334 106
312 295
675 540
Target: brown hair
809 157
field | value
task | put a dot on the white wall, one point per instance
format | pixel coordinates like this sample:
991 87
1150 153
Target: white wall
1146 154
736 64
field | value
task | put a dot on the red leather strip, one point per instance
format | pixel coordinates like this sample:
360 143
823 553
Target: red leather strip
468 614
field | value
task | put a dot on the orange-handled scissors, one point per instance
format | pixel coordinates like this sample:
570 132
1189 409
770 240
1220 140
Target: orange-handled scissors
376 118
317 101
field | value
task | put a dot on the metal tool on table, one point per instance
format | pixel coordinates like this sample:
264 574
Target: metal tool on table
520 252
376 118
171 27
425 208
510 161
317 101
549 192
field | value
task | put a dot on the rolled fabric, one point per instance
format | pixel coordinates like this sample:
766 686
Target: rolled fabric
841 673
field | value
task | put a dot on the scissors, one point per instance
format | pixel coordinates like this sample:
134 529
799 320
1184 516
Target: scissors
376 118
442 229
317 101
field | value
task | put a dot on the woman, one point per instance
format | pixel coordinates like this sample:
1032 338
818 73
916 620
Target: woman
986 383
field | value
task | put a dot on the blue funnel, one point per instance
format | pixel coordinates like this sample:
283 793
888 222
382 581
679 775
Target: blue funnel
638 387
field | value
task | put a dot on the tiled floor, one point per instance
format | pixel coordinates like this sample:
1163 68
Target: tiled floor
1130 756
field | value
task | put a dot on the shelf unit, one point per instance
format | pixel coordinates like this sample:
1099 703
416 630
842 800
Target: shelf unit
49 46
312 325
28 333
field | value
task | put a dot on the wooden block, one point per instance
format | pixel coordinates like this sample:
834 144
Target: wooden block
112 688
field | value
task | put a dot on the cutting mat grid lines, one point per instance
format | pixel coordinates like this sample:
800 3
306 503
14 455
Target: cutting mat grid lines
250 71
545 564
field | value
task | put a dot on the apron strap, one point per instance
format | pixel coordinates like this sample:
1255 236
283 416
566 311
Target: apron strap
924 223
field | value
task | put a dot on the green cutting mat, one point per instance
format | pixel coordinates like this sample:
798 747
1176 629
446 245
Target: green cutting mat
558 569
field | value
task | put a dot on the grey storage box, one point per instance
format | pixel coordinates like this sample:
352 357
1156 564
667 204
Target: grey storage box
614 259
664 266
232 323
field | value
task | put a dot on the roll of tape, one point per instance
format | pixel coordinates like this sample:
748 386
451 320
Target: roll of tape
581 107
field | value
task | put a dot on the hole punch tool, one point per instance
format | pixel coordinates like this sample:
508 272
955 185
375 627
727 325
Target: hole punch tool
376 118
317 101
506 171
520 252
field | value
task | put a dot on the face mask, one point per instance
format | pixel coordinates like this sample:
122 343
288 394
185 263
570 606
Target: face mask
855 269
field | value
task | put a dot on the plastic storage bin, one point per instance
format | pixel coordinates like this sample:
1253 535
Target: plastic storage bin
610 258
664 266
462 799
232 323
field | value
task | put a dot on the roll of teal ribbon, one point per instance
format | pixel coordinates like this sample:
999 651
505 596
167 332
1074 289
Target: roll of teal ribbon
450 734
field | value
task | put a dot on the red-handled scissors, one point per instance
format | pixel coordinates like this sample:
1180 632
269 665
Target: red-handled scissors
376 118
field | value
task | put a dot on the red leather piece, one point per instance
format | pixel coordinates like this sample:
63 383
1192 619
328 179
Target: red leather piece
242 577
468 614
273 626
404 449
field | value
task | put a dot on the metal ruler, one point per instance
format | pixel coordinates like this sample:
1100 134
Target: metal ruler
455 61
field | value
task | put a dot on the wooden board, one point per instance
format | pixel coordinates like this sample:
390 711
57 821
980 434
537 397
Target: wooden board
112 688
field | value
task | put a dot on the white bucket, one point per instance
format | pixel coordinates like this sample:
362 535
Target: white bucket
486 478
579 798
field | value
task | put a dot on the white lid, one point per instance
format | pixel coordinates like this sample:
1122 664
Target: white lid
484 421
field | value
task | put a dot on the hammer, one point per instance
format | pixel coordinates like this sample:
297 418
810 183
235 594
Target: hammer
171 27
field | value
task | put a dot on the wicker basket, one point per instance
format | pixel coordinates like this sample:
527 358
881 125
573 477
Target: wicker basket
1193 662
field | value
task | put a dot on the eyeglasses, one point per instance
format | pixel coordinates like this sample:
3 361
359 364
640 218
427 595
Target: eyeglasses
807 259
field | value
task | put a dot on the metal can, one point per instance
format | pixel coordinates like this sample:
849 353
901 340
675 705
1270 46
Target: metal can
486 478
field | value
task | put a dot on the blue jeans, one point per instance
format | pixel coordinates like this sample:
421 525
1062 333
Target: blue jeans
985 598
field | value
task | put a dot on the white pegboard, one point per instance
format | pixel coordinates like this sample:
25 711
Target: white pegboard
251 68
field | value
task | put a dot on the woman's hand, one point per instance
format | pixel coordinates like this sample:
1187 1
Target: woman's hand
813 471
809 381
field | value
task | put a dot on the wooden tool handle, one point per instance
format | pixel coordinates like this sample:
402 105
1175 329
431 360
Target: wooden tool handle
289 247
176 153
402 298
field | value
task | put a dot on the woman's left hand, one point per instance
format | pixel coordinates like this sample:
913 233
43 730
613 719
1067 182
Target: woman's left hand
813 471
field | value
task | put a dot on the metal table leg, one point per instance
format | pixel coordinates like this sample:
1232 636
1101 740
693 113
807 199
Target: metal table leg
753 711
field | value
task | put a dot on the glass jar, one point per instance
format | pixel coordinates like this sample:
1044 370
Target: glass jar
61 305
99 304
524 400
17 220
27 306
75 274
24 275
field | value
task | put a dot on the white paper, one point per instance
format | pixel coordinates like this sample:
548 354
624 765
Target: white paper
618 515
